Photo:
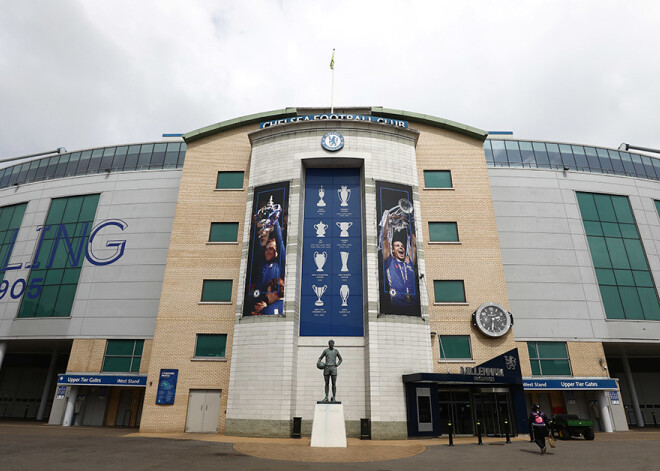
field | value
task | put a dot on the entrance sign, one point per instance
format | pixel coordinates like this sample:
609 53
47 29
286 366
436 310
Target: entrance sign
167 386
571 383
102 380
331 301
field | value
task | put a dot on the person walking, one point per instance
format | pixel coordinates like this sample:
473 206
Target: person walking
539 426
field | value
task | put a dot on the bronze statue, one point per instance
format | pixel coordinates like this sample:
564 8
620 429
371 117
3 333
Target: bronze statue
332 361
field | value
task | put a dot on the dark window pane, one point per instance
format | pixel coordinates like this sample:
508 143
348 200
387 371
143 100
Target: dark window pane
527 153
120 347
83 165
106 160
513 152
580 157
648 166
499 153
455 346
541 154
73 164
32 171
611 302
145 156
60 170
211 345
649 300
605 208
449 291
117 364
223 232
554 155
552 350
639 169
592 158
182 155
132 158
488 151
95 163
230 180
567 156
443 232
216 290
630 300
172 154
622 209
120 158
159 156
432 178
555 367
587 207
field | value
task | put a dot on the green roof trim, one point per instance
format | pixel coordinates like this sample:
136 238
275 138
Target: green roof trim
431 121
375 111
237 122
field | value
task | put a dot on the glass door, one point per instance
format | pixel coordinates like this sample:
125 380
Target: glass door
492 409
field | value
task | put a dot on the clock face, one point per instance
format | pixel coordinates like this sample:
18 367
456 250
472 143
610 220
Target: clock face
492 319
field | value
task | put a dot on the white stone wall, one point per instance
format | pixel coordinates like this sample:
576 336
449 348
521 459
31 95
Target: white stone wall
267 350
553 291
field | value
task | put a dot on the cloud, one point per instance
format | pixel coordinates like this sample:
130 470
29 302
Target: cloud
89 73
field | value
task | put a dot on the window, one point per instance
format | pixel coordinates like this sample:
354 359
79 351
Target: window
210 345
230 180
216 291
437 179
449 291
223 232
622 270
59 257
443 232
549 358
10 222
123 356
455 347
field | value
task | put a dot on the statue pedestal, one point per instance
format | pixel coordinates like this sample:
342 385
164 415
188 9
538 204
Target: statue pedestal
328 428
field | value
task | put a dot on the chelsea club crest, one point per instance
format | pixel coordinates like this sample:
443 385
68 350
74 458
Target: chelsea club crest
332 141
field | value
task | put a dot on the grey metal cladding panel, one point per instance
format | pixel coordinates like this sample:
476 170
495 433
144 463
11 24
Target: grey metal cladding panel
546 291
531 224
121 310
143 225
541 274
45 327
125 273
556 257
156 239
144 196
627 330
530 179
528 194
524 209
533 240
128 290
137 210
525 310
553 329
150 180
112 328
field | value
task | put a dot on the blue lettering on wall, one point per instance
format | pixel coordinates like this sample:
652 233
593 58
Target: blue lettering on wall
118 245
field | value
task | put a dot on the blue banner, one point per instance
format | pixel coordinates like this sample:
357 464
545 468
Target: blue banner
102 380
331 301
571 383
167 386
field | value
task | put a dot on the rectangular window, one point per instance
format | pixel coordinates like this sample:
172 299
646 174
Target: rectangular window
10 222
230 180
455 347
449 291
443 232
59 257
210 345
437 179
549 358
622 270
216 291
123 356
223 232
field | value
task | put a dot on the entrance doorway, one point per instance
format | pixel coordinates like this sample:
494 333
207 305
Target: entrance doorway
456 407
493 407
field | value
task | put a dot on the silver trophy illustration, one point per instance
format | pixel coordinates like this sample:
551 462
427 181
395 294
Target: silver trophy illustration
319 259
320 229
343 292
344 195
344 261
318 291
321 203
343 226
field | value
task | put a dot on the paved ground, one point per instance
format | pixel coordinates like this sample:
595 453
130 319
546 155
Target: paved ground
35 446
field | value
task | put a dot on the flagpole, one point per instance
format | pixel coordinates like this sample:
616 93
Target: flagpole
332 87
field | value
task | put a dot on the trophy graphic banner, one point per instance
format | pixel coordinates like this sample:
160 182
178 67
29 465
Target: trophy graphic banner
331 281
267 251
397 250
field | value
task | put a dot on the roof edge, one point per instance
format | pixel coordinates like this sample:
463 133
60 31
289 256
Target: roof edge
237 122
432 121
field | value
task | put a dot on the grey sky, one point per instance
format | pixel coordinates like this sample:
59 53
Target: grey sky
89 73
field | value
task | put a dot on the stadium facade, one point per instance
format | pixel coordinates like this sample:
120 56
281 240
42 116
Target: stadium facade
462 276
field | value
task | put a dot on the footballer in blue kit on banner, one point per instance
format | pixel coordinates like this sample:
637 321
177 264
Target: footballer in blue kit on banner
397 250
264 284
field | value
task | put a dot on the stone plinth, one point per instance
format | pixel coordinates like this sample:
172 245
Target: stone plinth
329 429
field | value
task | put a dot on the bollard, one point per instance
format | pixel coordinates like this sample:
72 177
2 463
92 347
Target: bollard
451 434
480 441
655 423
506 430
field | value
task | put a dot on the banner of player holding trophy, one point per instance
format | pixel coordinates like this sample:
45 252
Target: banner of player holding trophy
264 284
397 250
